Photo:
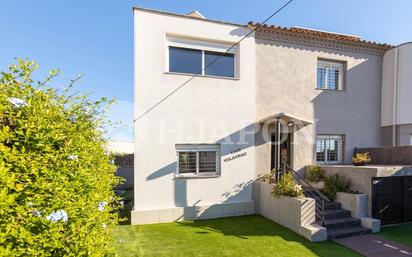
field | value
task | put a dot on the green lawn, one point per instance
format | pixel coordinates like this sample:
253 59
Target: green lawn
398 233
238 236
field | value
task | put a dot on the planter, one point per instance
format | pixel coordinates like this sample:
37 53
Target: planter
359 163
296 214
318 185
357 204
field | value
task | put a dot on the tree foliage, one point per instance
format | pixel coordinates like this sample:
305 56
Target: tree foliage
56 177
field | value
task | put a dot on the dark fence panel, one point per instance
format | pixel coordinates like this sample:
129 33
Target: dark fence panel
388 155
392 199
387 199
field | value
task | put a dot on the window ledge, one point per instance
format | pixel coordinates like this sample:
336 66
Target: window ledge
200 76
196 176
328 89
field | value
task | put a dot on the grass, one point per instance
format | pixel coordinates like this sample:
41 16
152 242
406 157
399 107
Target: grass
398 233
237 236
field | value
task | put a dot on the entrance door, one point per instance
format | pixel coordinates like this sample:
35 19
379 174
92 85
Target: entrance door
285 150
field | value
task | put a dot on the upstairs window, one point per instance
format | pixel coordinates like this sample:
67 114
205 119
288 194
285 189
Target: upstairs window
329 149
219 64
330 75
198 160
191 56
184 60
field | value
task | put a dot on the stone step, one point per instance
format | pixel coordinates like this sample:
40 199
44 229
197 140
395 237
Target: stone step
340 223
336 213
332 205
347 232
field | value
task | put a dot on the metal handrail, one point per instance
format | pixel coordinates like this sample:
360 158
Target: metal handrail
306 182
314 192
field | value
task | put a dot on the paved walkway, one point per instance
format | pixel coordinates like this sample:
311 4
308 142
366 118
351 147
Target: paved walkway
375 246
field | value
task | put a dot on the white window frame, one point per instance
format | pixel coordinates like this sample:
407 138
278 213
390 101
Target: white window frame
203 46
328 64
197 148
341 140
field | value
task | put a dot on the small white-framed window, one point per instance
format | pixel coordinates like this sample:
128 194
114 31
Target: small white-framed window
329 149
410 139
198 160
330 75
190 56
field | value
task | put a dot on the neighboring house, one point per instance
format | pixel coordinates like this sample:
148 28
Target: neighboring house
124 162
317 93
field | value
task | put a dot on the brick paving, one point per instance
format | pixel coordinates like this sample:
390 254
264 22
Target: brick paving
375 246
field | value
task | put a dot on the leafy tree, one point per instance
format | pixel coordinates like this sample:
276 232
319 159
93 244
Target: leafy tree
56 177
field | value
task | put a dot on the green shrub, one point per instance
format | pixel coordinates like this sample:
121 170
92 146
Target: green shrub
56 178
287 186
334 184
315 173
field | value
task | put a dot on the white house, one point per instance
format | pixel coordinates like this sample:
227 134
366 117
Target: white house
200 141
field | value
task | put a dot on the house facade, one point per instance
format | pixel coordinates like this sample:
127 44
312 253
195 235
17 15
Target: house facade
212 115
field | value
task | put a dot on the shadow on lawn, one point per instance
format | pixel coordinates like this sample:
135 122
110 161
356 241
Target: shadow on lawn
246 227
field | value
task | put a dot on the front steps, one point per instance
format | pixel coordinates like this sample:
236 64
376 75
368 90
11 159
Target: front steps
340 224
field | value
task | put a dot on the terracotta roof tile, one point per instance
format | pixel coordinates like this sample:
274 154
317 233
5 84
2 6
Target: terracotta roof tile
317 35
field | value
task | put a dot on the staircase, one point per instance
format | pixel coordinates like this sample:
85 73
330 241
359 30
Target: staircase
338 222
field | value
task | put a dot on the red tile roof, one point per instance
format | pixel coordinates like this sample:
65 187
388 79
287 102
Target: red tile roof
317 35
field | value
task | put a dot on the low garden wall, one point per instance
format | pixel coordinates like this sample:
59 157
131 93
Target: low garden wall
357 204
388 155
361 177
296 214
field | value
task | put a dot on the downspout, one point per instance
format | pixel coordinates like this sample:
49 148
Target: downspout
277 151
395 97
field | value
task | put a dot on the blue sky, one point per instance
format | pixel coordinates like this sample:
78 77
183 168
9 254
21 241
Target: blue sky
95 38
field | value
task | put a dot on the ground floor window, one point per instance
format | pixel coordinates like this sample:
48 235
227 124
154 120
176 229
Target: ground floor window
198 160
410 139
329 149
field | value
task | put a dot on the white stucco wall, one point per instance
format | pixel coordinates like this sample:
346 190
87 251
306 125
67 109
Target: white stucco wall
286 82
397 63
206 110
396 95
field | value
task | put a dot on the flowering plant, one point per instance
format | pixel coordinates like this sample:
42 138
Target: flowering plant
287 186
55 173
361 159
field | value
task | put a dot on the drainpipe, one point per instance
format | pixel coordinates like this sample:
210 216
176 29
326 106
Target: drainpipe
277 152
395 97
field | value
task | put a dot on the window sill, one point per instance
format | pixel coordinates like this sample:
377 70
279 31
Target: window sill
329 163
200 76
328 89
194 176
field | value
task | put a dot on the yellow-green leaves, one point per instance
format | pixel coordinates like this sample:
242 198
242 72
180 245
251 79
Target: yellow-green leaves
53 162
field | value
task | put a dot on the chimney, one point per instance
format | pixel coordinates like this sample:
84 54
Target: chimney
195 14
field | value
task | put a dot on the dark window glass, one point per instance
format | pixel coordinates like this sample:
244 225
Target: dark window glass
333 78
320 150
224 66
207 161
185 60
321 77
187 162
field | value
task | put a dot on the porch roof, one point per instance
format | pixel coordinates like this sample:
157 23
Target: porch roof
286 118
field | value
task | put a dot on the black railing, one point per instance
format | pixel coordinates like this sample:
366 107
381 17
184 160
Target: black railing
310 191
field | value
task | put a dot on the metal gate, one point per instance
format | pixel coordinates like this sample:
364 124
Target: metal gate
392 199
